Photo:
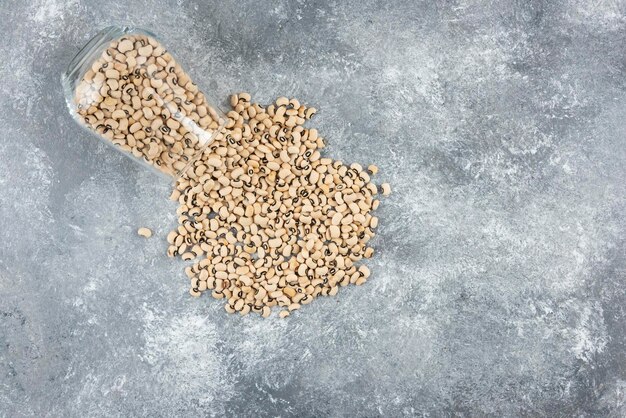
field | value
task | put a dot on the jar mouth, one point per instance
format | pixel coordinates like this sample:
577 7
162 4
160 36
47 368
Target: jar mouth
80 67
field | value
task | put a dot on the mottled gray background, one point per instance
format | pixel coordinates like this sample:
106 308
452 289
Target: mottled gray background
498 286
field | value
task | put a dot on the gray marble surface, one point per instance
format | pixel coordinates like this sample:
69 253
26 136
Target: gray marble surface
498 286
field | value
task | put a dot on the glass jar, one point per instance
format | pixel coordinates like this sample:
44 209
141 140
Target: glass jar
124 87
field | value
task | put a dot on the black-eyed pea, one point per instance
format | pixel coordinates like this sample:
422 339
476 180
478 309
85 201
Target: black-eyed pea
356 166
345 281
188 255
246 280
347 220
145 51
245 310
125 45
297 296
289 291
180 238
114 74
275 243
308 114
273 165
144 232
239 304
334 231
364 271
171 237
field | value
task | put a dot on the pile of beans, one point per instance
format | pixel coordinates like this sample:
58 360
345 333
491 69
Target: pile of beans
138 97
271 221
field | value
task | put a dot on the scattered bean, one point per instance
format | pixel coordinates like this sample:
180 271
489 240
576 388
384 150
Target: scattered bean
144 232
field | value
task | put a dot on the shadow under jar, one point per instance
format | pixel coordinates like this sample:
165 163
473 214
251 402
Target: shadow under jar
125 87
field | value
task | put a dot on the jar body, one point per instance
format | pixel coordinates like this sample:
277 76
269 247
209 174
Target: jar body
129 91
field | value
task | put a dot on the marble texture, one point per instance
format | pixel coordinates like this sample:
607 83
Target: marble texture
498 284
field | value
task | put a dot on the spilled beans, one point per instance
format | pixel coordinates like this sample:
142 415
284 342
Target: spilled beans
269 221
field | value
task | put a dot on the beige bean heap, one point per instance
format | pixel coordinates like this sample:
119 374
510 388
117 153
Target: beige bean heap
271 221
138 97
